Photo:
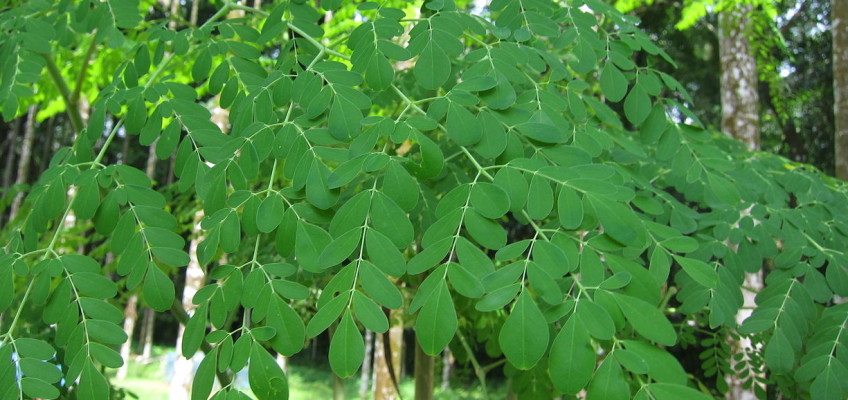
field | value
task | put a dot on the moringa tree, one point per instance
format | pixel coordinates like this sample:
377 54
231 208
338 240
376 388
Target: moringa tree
512 179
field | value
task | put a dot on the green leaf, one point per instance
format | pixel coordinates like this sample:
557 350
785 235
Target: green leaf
489 200
92 384
270 213
290 332
780 356
484 231
159 291
613 83
436 323
369 313
267 379
388 218
540 199
569 208
668 391
400 186
310 243
433 67
464 282
462 127
619 222
608 382
94 285
204 377
378 286
105 332
326 315
515 185
524 335
317 191
347 349
498 298
700 271
37 388
646 319
340 248
572 358
344 118
637 105
383 253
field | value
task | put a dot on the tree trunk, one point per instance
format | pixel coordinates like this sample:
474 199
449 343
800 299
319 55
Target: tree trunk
147 334
11 148
24 160
365 377
195 278
130 317
385 379
424 371
740 118
447 368
195 7
14 128
839 16
338 388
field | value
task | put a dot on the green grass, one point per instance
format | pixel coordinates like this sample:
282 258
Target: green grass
306 382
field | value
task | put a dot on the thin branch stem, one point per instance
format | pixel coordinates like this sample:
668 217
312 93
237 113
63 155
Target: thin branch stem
70 104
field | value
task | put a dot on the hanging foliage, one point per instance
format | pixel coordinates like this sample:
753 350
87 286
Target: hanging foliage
516 169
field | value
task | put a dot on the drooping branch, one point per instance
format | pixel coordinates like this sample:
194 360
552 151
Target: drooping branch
71 106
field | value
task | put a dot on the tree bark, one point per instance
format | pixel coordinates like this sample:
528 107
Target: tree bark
365 377
130 318
195 278
839 18
11 149
147 334
740 116
384 379
424 374
24 160
447 368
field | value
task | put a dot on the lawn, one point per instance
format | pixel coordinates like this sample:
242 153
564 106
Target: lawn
148 381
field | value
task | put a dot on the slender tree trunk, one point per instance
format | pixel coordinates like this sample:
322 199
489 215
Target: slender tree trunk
447 368
740 118
424 371
147 337
384 380
338 388
195 278
365 377
839 16
195 7
14 128
24 160
11 149
50 145
130 317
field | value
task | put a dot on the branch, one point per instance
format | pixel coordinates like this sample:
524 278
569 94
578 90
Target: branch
84 69
784 30
70 104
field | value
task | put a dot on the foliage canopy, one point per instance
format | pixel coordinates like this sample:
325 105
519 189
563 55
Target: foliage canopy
516 178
